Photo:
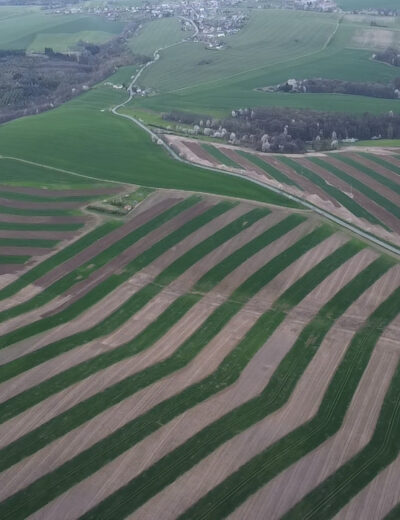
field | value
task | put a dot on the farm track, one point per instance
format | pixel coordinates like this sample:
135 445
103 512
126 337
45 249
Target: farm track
222 327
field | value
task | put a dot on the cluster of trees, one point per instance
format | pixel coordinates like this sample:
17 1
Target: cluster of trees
33 83
336 86
390 55
289 130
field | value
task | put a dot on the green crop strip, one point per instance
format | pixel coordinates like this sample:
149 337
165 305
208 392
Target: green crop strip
220 156
271 170
358 185
331 495
155 330
139 299
89 461
382 162
84 271
13 259
394 514
234 490
15 226
218 272
371 173
68 252
276 393
27 242
341 197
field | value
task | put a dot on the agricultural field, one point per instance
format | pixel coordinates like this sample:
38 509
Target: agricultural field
33 30
190 360
177 342
361 188
274 46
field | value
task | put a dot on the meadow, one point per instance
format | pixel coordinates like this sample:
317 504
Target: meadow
33 29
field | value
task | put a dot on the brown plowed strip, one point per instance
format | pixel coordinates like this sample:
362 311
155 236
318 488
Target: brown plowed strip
24 251
46 235
302 405
27 204
117 264
122 469
290 486
197 150
140 320
206 362
243 162
114 372
103 308
31 219
61 193
377 211
382 170
395 161
308 186
105 242
10 268
377 499
68 297
364 178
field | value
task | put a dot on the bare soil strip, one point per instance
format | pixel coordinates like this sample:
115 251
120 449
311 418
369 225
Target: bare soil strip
377 211
307 185
245 163
377 499
117 297
250 383
24 251
303 403
27 204
117 264
385 172
10 268
395 161
105 242
46 235
43 192
200 155
81 288
32 219
364 178
356 431
141 319
301 406
163 348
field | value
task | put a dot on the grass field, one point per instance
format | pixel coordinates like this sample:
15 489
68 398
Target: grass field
157 34
33 29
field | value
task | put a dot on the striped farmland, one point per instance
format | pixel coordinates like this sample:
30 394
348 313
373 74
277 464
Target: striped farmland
362 188
191 360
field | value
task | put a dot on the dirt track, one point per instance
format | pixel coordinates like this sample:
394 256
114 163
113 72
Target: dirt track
42 192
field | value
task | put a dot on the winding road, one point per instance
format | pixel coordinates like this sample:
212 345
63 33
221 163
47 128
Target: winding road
155 137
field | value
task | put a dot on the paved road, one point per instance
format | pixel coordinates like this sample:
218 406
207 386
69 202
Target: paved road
161 142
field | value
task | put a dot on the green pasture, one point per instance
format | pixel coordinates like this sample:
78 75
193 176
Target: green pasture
156 34
270 36
20 31
367 4
84 137
395 143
